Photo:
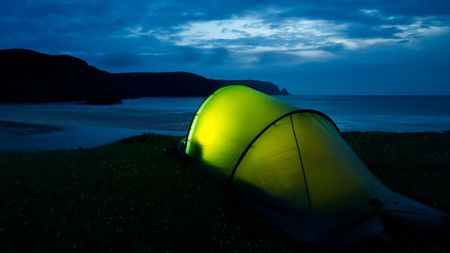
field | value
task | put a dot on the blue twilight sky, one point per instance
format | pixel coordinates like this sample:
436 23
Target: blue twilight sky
309 47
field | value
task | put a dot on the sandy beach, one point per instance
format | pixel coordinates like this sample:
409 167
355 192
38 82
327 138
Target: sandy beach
12 128
20 136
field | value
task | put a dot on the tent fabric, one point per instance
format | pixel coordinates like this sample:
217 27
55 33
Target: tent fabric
227 121
295 168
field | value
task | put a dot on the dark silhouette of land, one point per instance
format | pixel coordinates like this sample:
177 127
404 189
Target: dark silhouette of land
29 76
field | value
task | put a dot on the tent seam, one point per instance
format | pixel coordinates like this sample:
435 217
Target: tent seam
301 164
244 153
315 117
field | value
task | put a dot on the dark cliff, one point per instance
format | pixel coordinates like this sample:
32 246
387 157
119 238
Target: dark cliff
29 76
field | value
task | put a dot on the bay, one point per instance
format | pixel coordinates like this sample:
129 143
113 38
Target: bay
30 127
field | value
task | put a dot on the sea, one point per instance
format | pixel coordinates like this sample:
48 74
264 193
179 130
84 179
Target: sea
51 126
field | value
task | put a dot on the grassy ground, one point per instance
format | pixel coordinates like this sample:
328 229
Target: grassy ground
136 196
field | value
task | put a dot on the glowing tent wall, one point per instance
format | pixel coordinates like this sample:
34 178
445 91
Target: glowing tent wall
294 166
227 121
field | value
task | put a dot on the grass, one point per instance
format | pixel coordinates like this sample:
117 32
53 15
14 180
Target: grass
136 195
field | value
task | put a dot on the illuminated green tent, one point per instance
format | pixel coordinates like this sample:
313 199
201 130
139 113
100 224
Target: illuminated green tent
294 167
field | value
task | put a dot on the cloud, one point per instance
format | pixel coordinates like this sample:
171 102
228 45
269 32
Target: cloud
309 39
235 38
419 29
218 56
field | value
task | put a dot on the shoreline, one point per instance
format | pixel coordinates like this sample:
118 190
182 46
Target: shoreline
11 128
31 137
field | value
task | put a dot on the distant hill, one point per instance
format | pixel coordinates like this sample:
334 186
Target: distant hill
266 87
29 76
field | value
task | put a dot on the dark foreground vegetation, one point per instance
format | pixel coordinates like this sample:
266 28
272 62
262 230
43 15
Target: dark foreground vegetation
137 195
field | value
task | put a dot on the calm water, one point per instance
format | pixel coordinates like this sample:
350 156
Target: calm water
69 125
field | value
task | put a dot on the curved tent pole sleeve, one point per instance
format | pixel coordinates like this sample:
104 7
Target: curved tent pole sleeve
203 102
321 123
230 179
193 119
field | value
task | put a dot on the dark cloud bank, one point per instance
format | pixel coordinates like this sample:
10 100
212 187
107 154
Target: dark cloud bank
309 47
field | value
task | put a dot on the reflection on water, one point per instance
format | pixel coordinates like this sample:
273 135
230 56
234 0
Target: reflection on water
69 125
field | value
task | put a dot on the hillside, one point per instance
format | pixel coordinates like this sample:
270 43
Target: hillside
29 76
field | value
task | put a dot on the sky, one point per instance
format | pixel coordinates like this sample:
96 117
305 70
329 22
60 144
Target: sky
309 47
